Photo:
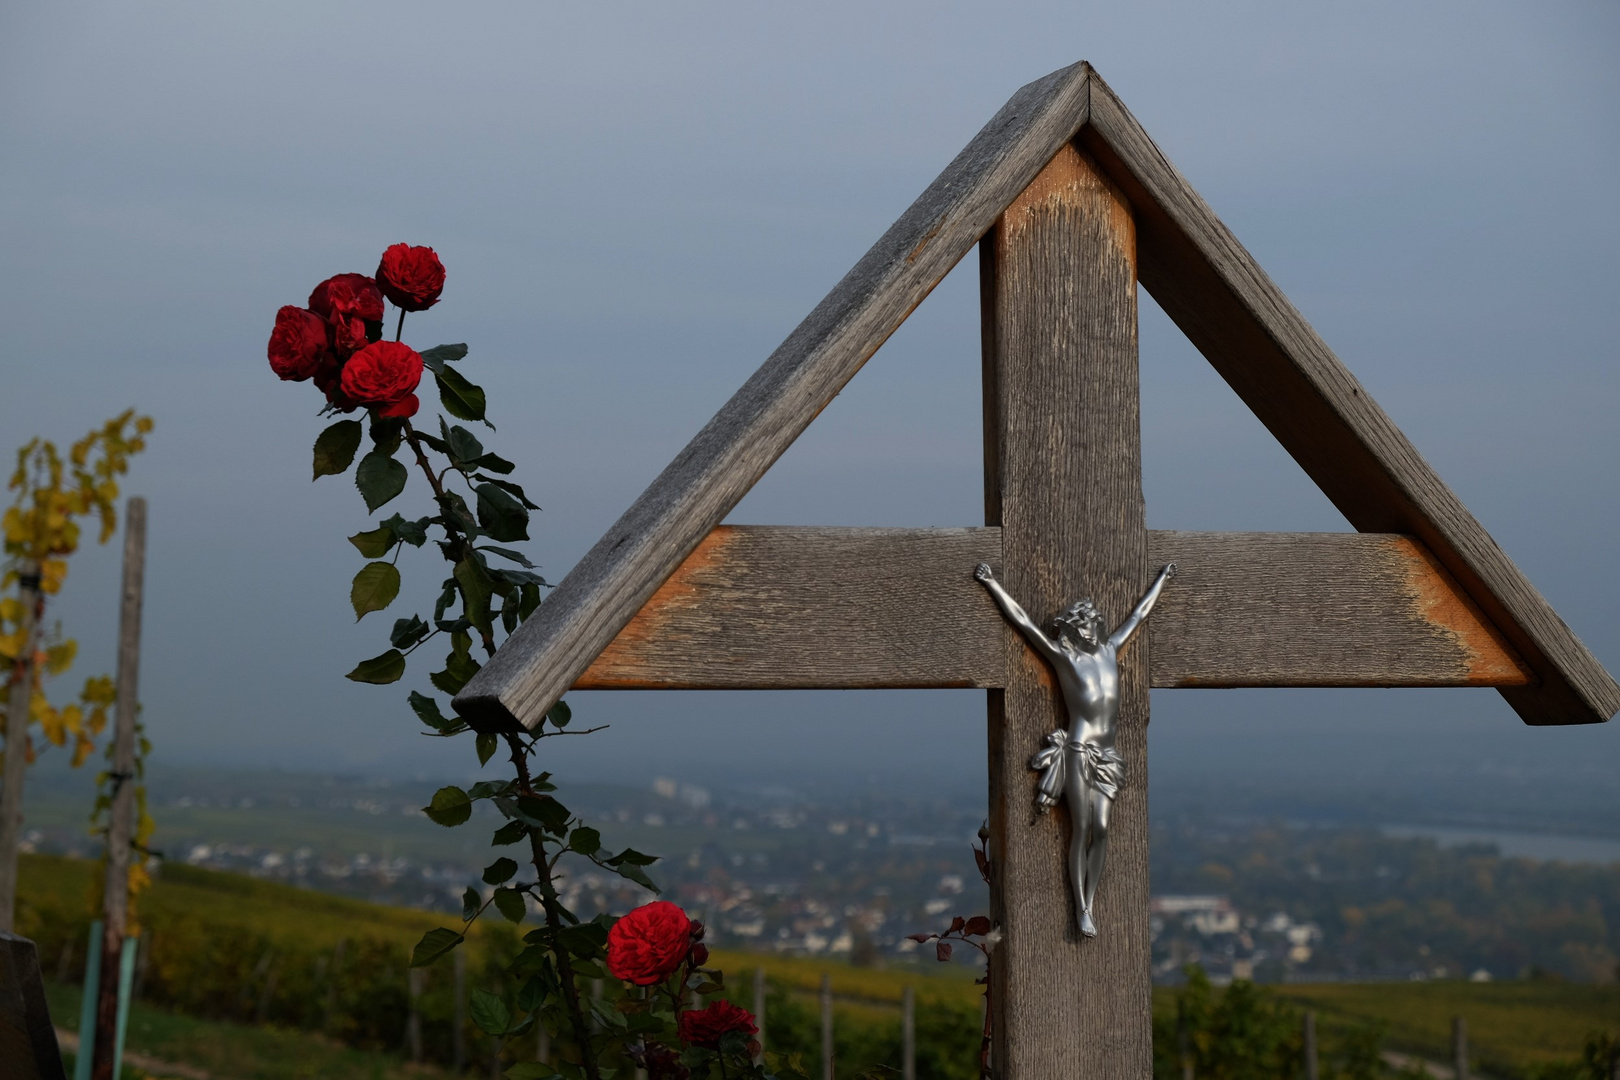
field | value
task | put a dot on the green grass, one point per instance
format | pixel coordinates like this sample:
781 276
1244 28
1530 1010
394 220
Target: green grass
1511 1024
238 1051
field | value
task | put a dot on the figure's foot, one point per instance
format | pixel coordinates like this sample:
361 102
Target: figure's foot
1087 927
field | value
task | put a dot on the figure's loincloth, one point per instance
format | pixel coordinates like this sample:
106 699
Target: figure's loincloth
1101 768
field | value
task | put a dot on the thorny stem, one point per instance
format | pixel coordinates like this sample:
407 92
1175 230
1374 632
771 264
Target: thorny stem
400 328
548 900
448 519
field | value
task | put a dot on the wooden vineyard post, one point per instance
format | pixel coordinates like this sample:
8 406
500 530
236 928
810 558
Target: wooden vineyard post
121 815
1063 481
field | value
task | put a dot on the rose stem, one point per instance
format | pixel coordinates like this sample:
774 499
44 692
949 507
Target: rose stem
400 328
548 900
444 507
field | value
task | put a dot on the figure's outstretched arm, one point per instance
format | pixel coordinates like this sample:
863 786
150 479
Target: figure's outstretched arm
1015 614
1134 621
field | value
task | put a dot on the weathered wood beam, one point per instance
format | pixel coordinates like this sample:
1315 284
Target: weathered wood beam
1240 320
897 608
694 493
1064 483
806 608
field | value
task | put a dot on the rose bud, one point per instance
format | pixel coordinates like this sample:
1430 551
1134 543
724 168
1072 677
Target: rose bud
700 954
411 277
382 373
298 344
697 930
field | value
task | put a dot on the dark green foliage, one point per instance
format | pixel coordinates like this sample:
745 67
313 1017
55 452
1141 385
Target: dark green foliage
379 478
1246 1032
335 448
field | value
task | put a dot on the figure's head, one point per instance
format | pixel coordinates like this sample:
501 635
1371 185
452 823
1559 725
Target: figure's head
1081 623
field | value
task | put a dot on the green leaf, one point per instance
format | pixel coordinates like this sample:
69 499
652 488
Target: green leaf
490 789
489 1012
487 745
434 944
495 464
450 807
500 515
509 902
435 358
515 489
335 447
460 398
476 590
374 544
560 714
470 903
374 588
413 533
631 857
427 710
547 813
380 670
637 875
379 478
464 447
455 508
510 833
585 840
500 871
530 600
507 553
407 632
459 668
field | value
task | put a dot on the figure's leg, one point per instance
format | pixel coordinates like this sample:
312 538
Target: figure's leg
1097 849
1080 804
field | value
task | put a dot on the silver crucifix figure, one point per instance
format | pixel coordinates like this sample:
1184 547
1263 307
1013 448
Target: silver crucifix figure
1080 762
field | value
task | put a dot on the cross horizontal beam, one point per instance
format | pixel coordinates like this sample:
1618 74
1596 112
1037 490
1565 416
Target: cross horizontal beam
850 608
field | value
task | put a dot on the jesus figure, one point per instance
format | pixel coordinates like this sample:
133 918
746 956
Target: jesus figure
1081 763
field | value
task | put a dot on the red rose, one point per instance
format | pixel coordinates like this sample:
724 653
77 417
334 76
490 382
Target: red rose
298 344
347 296
412 277
648 944
403 409
703 1027
382 373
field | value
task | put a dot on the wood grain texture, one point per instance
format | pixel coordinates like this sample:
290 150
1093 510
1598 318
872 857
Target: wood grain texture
1237 317
760 607
1061 352
794 608
612 582
1317 609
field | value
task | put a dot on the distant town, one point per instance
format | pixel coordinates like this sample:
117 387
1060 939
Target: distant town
852 877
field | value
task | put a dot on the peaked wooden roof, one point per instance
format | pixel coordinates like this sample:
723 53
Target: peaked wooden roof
1200 276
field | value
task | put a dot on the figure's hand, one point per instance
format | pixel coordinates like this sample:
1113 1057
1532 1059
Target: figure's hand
1170 570
982 572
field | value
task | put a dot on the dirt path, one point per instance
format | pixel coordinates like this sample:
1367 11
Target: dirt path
165 1069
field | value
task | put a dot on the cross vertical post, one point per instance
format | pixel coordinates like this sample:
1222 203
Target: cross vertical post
1063 480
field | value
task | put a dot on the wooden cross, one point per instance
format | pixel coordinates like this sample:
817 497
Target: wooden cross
1071 204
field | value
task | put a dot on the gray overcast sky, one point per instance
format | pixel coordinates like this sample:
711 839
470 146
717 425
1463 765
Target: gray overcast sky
636 203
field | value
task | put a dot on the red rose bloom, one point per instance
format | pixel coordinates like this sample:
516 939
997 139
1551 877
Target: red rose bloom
298 344
347 296
412 277
703 1027
648 944
382 373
